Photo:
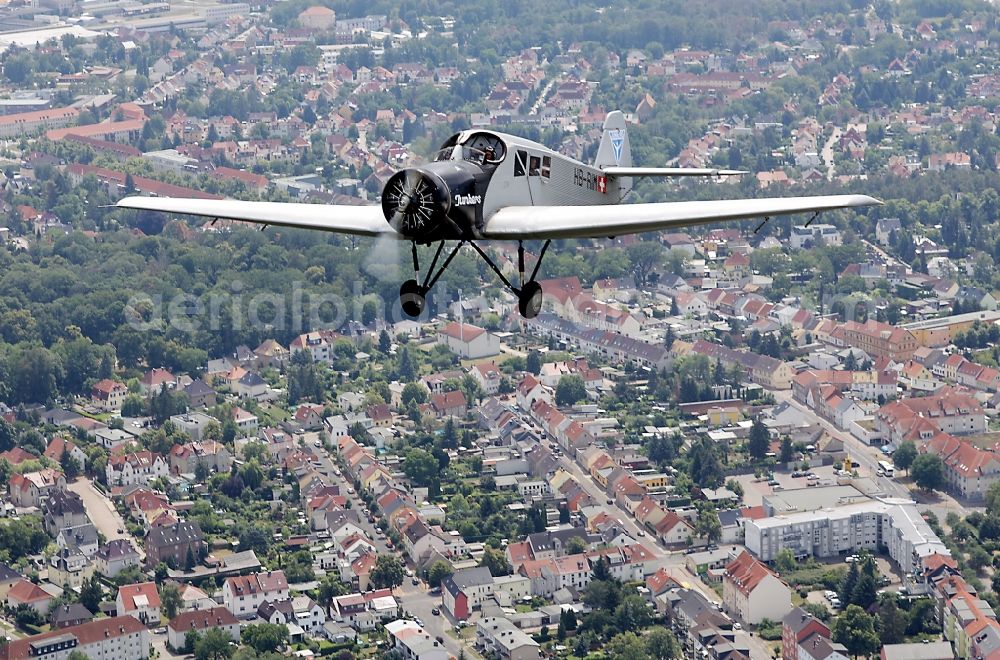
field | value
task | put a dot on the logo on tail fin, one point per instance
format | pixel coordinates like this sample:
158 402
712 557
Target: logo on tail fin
617 136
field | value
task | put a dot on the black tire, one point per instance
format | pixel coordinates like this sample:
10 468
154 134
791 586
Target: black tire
529 302
411 298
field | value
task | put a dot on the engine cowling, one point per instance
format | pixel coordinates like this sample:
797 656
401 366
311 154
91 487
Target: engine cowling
439 201
416 203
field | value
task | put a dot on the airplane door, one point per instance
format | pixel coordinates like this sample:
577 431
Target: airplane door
534 170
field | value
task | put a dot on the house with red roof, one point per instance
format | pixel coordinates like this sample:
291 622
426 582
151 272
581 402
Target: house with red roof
135 469
108 394
25 592
243 594
32 488
449 404
155 380
752 592
488 376
59 445
16 456
469 341
123 638
141 601
201 621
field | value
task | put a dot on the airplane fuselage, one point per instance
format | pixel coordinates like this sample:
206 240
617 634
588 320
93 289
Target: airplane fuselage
478 172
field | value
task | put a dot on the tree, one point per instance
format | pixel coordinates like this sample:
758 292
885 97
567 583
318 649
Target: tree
787 452
643 257
857 630
632 613
927 472
993 497
567 619
438 571
850 581
784 561
892 620
708 526
414 392
626 646
904 455
759 441
213 645
170 600
388 572
865 589
91 594
496 561
533 363
265 637
421 467
575 545
570 390
662 645
70 466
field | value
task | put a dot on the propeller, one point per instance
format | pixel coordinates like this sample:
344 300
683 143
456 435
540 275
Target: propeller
410 203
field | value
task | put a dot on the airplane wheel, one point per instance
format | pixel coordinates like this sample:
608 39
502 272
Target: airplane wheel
530 301
411 298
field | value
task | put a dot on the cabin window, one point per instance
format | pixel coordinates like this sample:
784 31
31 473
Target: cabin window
520 161
534 166
546 166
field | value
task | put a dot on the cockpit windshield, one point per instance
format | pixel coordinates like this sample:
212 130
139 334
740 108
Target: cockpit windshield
462 152
483 149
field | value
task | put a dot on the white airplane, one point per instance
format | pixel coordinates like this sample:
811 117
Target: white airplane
484 185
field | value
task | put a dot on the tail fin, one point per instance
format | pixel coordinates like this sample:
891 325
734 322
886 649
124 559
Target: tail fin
614 150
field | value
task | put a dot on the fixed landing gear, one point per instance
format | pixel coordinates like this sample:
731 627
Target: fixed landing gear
413 293
412 298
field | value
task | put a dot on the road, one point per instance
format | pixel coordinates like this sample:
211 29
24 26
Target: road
102 513
672 561
827 153
865 455
415 600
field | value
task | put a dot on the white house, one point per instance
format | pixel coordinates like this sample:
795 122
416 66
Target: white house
469 341
243 594
752 593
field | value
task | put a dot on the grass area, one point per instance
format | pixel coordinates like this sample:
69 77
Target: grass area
523 608
275 413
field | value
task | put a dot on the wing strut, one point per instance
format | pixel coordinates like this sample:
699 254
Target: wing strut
812 219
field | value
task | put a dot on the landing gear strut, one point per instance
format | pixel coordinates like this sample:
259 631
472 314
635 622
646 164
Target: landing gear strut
413 293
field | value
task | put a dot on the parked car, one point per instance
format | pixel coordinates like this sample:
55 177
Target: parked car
436 611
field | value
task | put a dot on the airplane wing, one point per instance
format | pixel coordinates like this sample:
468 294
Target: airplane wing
343 219
544 222
669 171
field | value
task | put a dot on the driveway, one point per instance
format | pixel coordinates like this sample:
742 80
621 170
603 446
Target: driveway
102 513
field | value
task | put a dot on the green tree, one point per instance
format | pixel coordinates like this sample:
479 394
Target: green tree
414 392
496 561
533 363
661 644
927 472
627 646
892 620
170 600
70 466
858 631
904 455
213 645
91 594
759 441
570 390
438 571
388 572
993 497
865 589
643 257
784 561
265 637
421 467
787 451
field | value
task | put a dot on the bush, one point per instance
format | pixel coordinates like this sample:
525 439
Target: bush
769 630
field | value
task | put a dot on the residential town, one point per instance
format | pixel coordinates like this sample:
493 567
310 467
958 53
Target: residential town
771 438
